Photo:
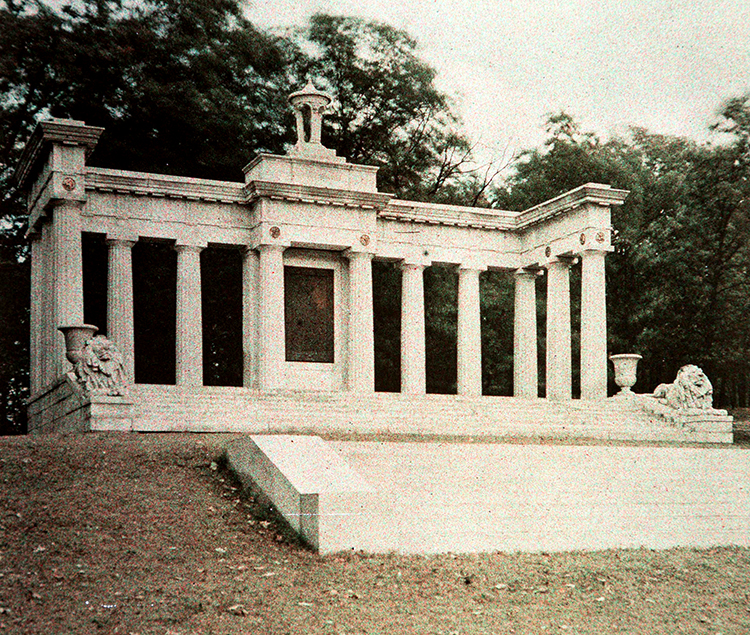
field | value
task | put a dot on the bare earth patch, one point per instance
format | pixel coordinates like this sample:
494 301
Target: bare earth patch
141 534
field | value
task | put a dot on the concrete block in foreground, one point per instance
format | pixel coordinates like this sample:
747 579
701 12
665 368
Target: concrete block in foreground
316 491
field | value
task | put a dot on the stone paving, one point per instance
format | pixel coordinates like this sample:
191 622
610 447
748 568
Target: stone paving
475 497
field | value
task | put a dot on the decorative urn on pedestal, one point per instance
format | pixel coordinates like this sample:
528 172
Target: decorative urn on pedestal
76 337
625 370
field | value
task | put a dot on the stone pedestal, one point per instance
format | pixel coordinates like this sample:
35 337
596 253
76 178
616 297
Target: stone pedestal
593 326
413 378
271 317
189 316
559 363
120 301
469 334
361 371
525 372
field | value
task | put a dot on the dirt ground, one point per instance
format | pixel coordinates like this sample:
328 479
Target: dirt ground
148 534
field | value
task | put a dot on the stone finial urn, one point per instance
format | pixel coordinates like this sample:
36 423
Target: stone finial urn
76 337
625 370
314 102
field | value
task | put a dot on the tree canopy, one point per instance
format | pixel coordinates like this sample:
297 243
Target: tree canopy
193 88
387 110
678 289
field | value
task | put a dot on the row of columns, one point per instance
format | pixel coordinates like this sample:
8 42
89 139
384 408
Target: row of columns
469 344
263 325
558 353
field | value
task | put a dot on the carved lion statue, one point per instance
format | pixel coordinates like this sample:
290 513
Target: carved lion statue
691 389
101 369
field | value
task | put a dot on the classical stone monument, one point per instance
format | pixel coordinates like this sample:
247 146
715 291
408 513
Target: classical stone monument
309 225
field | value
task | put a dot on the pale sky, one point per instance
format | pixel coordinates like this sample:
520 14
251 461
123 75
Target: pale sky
666 65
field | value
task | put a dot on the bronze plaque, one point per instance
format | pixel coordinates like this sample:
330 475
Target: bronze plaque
308 314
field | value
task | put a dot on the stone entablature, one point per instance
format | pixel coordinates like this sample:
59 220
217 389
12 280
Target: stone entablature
524 239
180 187
164 186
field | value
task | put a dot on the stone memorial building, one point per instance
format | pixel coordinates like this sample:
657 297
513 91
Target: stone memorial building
309 225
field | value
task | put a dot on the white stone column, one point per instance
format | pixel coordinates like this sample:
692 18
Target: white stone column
48 329
413 365
67 276
525 372
250 299
36 312
469 333
593 326
361 367
189 316
271 341
559 363
120 301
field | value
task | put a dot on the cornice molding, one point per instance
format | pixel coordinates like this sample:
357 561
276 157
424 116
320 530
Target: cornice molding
454 215
163 185
317 195
62 131
595 193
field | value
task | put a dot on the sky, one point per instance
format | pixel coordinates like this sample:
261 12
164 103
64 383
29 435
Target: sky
659 64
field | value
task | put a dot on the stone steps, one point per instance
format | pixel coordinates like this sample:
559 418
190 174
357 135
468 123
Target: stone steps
231 409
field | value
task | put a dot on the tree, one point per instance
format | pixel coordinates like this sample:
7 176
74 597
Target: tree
386 110
678 289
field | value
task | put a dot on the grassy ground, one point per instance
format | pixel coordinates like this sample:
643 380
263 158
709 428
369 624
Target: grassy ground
147 534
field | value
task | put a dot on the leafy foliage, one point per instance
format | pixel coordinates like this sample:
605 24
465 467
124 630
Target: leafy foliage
678 285
192 88
387 111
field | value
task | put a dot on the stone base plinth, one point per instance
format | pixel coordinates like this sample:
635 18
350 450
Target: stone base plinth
323 499
64 408
228 409
159 408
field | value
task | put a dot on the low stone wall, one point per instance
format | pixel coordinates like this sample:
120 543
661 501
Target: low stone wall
64 408
320 496
61 408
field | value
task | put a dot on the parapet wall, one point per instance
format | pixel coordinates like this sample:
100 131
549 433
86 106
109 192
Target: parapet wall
64 408
60 409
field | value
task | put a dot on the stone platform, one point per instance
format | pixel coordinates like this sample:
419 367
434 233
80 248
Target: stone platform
175 408
477 497
160 408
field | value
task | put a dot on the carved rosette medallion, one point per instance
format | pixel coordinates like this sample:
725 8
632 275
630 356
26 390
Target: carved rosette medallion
364 239
582 239
601 237
548 252
69 184
275 232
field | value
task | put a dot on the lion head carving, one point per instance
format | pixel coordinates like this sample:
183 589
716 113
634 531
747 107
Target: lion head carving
691 389
101 369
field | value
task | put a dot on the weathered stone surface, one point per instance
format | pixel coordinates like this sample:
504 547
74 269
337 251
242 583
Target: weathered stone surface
691 390
316 491
101 369
309 208
474 497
